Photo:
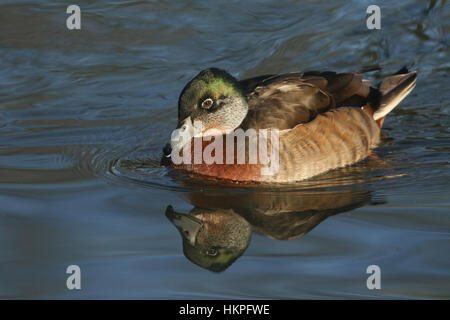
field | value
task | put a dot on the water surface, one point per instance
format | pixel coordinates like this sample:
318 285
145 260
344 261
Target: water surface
84 115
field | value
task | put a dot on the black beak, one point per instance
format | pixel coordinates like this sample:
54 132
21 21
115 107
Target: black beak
167 150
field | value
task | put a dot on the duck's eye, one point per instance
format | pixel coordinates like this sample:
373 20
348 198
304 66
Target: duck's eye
207 103
211 252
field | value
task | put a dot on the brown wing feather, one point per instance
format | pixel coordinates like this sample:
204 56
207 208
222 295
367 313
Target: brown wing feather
334 139
283 101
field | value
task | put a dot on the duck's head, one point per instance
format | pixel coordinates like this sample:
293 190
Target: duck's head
214 102
212 238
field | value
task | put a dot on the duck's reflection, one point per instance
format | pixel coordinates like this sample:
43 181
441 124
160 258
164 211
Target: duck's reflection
218 229
212 238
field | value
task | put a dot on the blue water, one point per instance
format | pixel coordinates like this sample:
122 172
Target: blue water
84 115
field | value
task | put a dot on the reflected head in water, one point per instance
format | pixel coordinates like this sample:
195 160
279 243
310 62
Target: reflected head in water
217 231
212 239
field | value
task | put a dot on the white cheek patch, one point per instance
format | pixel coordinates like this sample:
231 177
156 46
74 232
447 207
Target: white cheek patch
182 135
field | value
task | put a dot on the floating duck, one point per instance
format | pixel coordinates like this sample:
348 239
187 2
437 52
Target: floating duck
311 122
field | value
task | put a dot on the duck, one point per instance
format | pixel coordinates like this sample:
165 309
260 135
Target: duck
310 123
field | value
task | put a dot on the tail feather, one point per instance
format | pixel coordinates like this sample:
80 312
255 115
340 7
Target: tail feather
393 90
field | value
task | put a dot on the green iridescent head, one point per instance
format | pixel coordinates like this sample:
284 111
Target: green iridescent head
215 98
